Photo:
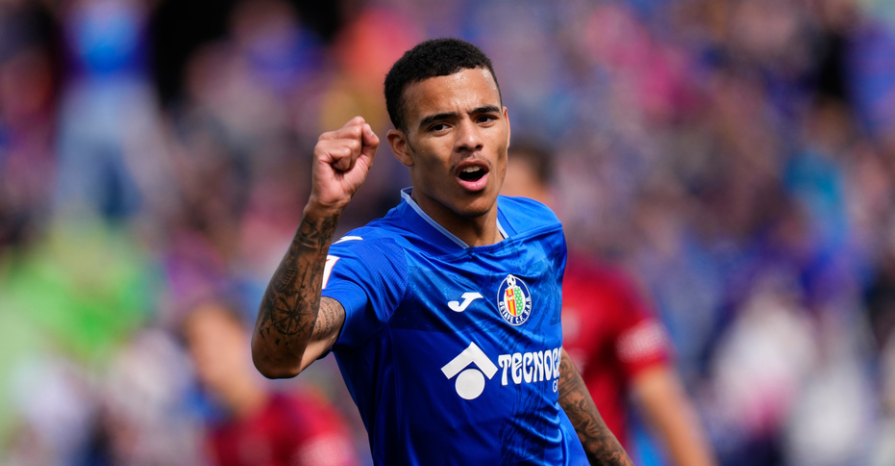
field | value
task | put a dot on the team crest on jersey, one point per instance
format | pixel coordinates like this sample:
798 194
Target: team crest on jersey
514 300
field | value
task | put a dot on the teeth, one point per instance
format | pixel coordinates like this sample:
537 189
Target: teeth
471 169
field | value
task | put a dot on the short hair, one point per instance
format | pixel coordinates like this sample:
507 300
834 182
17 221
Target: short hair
536 156
430 59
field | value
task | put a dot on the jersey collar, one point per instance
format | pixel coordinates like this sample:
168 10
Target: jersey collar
405 195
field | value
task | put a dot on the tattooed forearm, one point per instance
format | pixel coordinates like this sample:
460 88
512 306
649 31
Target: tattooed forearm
289 308
599 443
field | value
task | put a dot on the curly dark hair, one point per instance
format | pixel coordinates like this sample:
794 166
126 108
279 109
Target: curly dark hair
429 59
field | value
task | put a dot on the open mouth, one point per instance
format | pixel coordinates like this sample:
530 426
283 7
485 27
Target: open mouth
472 173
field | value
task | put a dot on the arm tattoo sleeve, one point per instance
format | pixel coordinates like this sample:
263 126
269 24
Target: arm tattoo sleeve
289 307
599 443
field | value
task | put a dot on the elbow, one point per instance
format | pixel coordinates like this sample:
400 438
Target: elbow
272 368
278 374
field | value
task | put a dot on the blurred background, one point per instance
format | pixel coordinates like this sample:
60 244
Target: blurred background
737 157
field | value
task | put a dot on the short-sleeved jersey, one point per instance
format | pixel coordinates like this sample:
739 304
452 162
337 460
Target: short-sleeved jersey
610 334
451 352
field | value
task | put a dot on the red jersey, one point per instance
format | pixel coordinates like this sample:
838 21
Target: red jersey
289 430
610 335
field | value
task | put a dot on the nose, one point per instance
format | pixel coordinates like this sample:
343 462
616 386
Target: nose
469 137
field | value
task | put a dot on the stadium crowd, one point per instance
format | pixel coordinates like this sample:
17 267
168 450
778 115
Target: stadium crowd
737 157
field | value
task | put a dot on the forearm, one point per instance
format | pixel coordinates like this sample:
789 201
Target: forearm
599 443
289 307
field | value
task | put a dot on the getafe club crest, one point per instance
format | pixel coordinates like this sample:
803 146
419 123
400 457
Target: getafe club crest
514 300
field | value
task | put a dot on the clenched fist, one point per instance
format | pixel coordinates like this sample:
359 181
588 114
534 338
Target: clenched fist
342 159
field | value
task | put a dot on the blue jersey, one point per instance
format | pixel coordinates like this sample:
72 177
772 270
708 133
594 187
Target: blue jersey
451 352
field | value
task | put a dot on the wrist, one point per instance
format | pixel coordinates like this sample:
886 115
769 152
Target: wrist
318 211
318 224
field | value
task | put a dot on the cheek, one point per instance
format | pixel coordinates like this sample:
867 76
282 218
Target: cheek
501 177
501 167
434 167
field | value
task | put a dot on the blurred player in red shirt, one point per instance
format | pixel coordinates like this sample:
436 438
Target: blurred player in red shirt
613 338
262 428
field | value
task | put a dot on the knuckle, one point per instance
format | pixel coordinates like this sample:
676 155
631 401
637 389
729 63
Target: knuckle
356 131
354 144
340 152
322 149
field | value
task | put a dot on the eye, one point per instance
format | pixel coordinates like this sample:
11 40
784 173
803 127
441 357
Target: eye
438 127
486 118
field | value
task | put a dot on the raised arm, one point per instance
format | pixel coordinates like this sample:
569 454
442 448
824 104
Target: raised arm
294 326
599 443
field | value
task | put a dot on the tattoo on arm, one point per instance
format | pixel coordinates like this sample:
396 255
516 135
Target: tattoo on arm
289 308
329 319
599 443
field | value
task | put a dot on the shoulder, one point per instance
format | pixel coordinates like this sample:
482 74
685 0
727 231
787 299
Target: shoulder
527 214
390 229
373 238
370 255
367 253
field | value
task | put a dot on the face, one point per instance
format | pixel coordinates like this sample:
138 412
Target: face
455 144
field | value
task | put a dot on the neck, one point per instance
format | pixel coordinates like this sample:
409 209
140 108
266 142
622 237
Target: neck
478 230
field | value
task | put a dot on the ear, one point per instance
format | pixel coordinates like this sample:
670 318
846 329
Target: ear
400 147
507 118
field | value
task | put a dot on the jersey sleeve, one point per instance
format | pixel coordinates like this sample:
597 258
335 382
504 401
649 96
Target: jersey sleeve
641 341
368 277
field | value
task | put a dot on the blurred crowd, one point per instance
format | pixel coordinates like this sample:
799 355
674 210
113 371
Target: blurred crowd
737 157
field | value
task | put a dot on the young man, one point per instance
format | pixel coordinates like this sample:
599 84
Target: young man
444 316
612 337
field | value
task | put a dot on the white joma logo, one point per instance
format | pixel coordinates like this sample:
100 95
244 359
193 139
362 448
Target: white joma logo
468 298
471 382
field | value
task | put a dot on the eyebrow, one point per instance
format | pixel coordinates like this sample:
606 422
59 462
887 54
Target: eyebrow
442 116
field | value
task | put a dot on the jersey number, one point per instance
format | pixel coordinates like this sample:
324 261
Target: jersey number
328 268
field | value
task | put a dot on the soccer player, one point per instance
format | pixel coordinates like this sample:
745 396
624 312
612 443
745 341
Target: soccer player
612 337
444 315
